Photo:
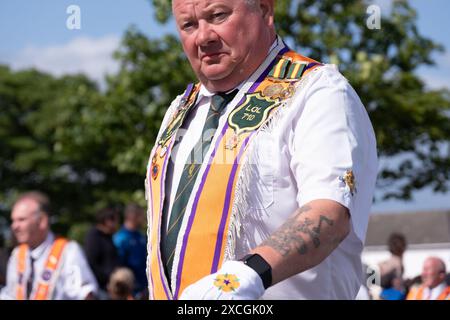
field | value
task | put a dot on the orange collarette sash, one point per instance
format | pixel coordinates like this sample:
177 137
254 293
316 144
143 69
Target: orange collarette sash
44 290
416 293
202 237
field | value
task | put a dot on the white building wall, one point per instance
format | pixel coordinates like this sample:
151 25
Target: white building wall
413 258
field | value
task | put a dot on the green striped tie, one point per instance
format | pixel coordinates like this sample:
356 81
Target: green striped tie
188 177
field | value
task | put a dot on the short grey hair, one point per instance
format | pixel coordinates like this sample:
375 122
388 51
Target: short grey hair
43 201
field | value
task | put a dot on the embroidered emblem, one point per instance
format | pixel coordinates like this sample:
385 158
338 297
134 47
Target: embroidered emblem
232 142
227 282
155 171
251 114
349 180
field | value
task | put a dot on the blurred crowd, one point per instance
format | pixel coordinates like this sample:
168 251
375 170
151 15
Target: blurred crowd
110 264
386 280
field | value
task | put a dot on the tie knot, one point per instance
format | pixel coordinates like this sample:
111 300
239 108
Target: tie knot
220 100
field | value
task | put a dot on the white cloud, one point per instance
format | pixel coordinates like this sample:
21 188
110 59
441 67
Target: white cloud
91 56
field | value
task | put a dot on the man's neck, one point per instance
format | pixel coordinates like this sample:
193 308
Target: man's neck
38 242
441 284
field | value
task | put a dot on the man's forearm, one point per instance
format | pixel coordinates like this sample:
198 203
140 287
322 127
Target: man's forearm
305 239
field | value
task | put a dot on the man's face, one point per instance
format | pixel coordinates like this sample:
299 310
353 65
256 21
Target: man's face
28 224
224 40
112 225
137 218
432 274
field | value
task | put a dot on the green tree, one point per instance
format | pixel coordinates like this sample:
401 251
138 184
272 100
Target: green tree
36 110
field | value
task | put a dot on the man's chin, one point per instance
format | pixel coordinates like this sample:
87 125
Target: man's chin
216 72
20 239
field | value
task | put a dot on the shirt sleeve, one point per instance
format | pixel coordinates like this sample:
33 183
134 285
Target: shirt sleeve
333 148
8 291
78 279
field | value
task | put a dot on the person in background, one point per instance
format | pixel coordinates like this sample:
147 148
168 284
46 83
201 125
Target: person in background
44 266
391 270
121 284
3 262
99 247
131 247
434 286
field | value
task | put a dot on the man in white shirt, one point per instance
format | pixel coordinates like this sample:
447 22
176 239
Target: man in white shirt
433 285
44 267
278 199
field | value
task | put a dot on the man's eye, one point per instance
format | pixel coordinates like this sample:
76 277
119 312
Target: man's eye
219 16
187 25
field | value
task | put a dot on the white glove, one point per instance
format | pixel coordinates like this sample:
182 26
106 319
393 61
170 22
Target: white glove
234 281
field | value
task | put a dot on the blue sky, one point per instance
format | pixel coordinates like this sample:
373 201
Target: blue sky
34 33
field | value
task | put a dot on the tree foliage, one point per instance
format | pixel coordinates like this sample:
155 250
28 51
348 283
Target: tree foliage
88 148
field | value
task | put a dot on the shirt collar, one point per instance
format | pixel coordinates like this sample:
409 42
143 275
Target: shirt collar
435 292
39 250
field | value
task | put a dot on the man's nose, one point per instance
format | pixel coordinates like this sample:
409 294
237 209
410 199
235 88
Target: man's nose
205 34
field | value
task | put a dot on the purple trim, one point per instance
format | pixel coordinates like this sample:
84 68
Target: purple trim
312 64
151 201
202 183
188 91
226 206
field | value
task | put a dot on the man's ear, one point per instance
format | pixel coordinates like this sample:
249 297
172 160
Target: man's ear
44 221
267 9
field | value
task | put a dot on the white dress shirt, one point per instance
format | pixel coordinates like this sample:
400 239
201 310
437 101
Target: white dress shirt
303 155
74 282
433 294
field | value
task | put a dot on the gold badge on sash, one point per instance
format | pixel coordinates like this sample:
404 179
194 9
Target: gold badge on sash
273 91
154 168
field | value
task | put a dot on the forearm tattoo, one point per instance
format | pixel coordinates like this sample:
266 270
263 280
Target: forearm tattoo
290 237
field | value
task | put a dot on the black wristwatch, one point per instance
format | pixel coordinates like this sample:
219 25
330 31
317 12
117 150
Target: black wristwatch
262 268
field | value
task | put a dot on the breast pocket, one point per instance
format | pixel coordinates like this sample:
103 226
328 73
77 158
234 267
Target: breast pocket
261 172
